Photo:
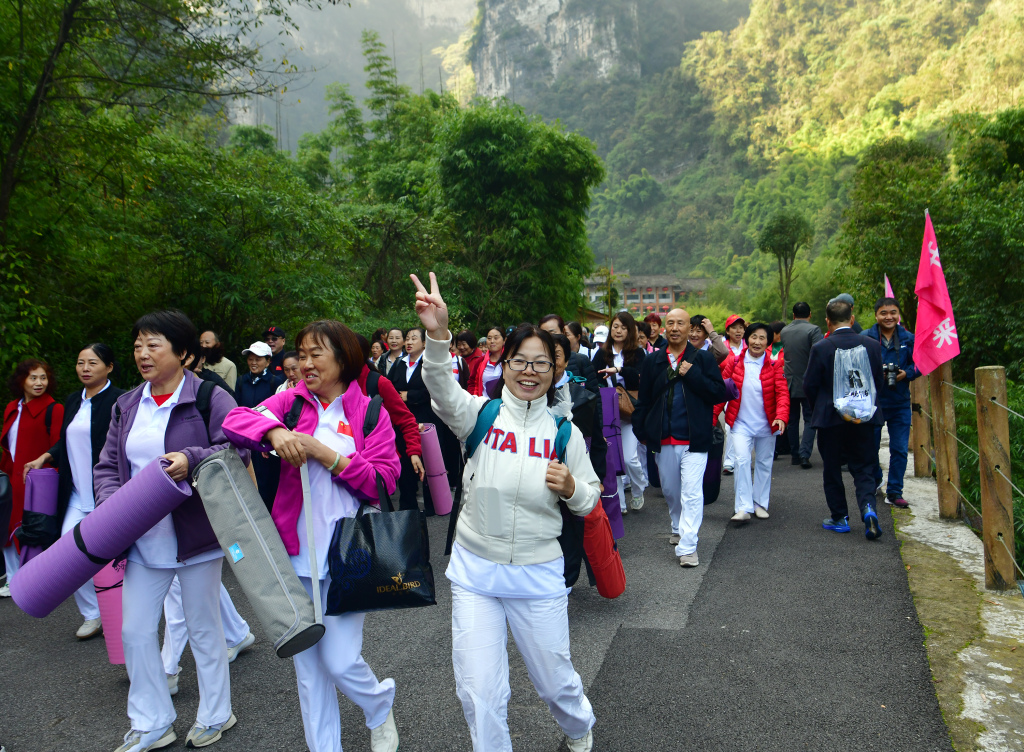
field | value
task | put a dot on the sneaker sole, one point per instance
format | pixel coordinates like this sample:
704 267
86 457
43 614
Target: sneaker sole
89 636
227 725
844 529
871 529
164 741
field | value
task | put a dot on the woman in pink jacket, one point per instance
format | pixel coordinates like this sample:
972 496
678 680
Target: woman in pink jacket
343 470
756 417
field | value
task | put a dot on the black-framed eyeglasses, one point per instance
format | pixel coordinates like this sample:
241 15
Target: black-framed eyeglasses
539 366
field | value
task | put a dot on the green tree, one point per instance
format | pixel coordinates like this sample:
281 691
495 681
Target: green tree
785 234
518 191
895 181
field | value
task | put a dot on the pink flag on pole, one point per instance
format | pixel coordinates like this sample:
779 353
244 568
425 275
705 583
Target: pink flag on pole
889 294
936 338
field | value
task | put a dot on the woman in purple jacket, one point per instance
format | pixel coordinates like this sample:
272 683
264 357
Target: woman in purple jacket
160 419
343 469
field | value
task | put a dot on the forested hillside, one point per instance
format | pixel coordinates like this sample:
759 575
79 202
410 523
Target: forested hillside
778 111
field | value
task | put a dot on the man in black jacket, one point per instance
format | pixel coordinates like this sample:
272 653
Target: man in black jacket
839 438
679 387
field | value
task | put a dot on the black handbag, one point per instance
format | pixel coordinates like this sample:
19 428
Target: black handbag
380 561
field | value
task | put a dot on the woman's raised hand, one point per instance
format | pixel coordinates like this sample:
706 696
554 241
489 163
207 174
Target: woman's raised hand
431 309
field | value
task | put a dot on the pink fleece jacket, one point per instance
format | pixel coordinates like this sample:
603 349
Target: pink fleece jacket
247 428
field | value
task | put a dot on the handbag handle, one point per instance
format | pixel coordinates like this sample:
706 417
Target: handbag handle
314 565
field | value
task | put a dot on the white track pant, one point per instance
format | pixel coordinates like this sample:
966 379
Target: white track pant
728 452
748 495
682 483
540 628
149 700
11 560
85 596
637 477
236 628
337 661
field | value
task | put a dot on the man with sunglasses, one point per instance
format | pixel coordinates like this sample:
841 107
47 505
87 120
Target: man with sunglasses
275 337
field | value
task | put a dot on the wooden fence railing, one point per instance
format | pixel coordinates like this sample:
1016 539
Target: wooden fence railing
935 442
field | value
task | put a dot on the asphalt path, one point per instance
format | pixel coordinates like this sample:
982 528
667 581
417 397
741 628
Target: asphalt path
786 637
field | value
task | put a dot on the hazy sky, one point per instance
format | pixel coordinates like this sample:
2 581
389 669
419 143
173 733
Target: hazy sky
330 51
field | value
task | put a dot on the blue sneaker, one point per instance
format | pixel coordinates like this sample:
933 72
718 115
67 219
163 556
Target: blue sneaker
842 525
871 529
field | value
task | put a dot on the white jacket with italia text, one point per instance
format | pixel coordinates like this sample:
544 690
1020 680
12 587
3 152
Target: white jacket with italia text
509 515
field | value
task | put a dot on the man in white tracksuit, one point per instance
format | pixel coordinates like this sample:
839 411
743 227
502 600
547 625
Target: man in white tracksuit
506 565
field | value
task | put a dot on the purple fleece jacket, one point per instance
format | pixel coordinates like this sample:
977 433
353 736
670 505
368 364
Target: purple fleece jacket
186 433
376 453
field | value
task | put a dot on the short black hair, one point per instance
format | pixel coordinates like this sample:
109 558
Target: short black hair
289 354
801 310
467 338
515 340
561 341
175 327
758 326
696 321
344 343
839 312
644 327
886 301
778 326
553 317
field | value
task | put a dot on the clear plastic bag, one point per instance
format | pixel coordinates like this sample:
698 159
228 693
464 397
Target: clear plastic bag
853 388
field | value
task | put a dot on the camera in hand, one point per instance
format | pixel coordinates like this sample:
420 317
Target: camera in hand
891 370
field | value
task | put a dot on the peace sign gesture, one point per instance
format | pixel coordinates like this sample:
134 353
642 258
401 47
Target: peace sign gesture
431 309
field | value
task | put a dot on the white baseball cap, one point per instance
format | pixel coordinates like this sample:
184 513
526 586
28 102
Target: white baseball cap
601 334
258 348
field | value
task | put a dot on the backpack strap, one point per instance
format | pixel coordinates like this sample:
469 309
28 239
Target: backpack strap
564 427
291 418
372 415
203 399
49 416
484 421
372 384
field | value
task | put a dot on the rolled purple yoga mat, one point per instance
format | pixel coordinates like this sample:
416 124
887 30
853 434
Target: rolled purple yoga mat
40 497
44 583
612 430
437 474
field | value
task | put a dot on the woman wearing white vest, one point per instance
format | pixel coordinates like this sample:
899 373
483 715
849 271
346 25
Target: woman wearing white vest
506 563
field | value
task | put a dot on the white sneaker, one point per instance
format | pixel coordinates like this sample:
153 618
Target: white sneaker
89 628
688 560
636 503
203 736
143 741
673 539
760 512
624 510
384 738
740 517
584 744
5 591
245 644
172 684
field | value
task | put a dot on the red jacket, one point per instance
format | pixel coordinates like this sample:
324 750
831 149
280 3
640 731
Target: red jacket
773 385
33 440
476 361
401 418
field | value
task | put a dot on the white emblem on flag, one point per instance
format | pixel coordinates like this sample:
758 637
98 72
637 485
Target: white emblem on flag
934 251
944 333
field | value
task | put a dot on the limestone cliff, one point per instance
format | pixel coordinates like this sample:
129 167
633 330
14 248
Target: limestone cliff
520 46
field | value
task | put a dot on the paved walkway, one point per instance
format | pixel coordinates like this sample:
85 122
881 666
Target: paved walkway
787 637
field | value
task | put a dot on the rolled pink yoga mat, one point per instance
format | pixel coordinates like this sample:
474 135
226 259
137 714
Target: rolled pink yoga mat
107 531
108 582
41 497
437 475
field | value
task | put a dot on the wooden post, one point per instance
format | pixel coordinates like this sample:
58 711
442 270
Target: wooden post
922 428
996 494
947 468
